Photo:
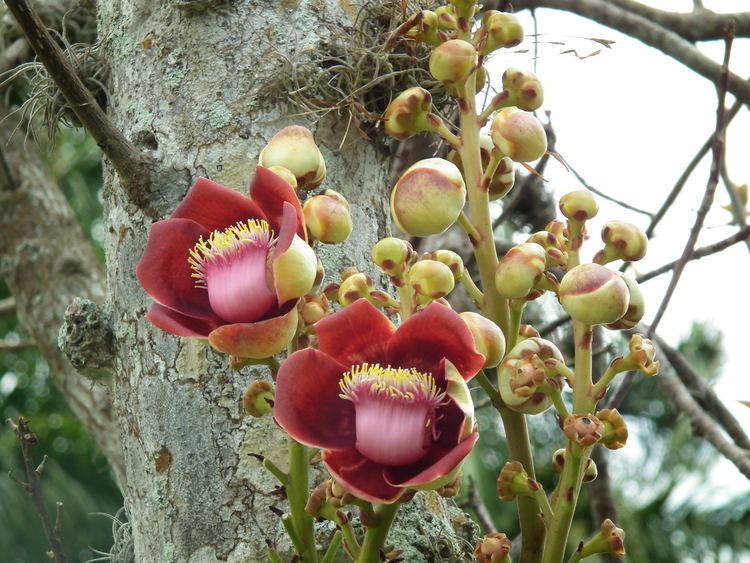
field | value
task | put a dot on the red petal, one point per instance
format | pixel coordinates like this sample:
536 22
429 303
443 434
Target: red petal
216 207
164 271
438 463
287 229
427 337
357 334
258 340
307 403
174 323
360 476
270 191
450 419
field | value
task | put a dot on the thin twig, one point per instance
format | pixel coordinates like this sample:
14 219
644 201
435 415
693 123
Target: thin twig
713 181
7 306
15 346
28 440
740 236
132 165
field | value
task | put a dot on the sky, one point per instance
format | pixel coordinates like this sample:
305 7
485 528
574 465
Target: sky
629 120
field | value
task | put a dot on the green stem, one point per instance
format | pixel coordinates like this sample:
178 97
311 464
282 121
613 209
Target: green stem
495 157
272 468
541 498
559 404
575 558
582 401
604 381
490 389
342 521
516 314
496 307
471 288
333 547
465 222
453 140
298 491
375 537
406 299
274 556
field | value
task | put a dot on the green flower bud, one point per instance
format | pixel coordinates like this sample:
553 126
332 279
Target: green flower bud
610 539
636 306
426 31
488 338
257 400
355 287
407 114
522 377
594 295
498 30
579 205
446 18
294 149
327 217
615 433
428 197
502 180
513 482
314 308
494 548
558 460
450 259
590 471
392 256
519 269
622 241
287 176
453 61
337 496
524 89
554 248
583 429
641 357
431 279
518 134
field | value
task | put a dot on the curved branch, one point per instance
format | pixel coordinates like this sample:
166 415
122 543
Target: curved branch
648 32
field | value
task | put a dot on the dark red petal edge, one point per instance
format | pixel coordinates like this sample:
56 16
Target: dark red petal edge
357 334
360 476
430 335
307 404
216 207
270 191
164 271
174 323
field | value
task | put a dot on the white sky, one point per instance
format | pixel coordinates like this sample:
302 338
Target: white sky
629 120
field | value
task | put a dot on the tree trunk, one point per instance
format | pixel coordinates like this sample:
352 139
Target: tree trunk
189 84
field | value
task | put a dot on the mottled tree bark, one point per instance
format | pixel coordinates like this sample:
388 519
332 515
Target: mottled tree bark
189 87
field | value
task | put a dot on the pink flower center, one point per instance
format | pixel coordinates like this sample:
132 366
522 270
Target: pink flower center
231 265
394 410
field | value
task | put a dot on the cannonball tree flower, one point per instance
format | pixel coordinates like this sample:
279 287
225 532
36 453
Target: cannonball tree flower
230 268
389 407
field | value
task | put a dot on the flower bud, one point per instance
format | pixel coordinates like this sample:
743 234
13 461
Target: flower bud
407 114
579 205
622 241
558 460
426 29
257 400
525 332
636 306
337 496
450 490
583 429
555 249
285 175
392 255
446 17
294 149
494 548
593 295
641 356
610 539
590 471
354 287
453 61
498 30
615 430
524 89
519 269
450 259
488 338
428 197
431 279
524 379
502 180
513 481
518 134
327 217
314 308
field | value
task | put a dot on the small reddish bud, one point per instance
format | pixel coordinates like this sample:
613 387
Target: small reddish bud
518 134
502 180
498 30
622 241
294 148
488 338
450 259
354 287
583 429
590 471
407 114
327 217
453 61
558 460
524 89
636 306
615 430
314 308
594 295
641 356
579 205
257 400
610 540
426 31
431 279
494 548
513 481
428 197
519 269
392 255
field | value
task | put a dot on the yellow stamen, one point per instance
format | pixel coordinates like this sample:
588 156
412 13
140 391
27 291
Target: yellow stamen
387 382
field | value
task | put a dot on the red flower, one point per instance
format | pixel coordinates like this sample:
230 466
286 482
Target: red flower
389 407
229 267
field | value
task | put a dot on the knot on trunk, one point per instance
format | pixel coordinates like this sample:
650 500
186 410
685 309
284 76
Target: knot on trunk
87 340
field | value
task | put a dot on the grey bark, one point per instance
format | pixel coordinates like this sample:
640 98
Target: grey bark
188 86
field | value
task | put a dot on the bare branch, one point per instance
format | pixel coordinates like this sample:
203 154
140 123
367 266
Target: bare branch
743 235
28 440
713 181
6 346
648 32
132 165
7 305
